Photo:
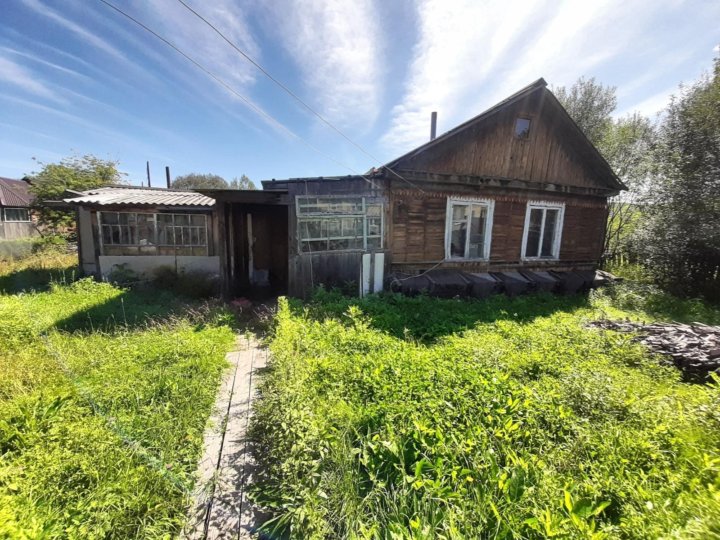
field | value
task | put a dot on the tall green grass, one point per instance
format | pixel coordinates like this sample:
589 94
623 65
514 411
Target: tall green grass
399 417
104 394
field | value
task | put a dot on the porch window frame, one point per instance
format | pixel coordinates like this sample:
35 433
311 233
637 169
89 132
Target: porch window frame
557 240
155 234
6 220
489 204
301 216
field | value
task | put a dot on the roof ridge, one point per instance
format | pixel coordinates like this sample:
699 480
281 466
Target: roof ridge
539 83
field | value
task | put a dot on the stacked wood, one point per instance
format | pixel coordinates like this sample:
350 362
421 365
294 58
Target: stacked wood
694 348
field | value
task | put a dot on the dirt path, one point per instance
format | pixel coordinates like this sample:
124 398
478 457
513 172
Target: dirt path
221 508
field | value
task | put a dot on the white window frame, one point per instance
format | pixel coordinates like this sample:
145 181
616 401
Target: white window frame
543 205
155 242
301 216
463 201
28 220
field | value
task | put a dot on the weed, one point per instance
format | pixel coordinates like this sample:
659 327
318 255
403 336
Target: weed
396 417
104 394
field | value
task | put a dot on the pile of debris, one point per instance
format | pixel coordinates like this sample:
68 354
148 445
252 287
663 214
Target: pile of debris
694 348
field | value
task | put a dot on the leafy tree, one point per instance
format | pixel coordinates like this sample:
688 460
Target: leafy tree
196 180
76 173
590 104
242 183
680 237
625 143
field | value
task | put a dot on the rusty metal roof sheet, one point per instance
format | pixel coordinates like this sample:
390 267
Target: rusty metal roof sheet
137 196
14 193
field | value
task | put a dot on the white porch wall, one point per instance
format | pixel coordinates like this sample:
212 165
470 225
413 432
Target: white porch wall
145 264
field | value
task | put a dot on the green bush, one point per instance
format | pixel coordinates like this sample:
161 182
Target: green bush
398 417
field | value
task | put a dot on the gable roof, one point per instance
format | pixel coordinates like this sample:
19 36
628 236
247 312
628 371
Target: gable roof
139 196
583 147
15 193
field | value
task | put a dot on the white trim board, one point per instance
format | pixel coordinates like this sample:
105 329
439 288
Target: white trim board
557 241
487 241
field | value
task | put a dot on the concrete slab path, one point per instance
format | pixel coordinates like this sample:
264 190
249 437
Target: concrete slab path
221 509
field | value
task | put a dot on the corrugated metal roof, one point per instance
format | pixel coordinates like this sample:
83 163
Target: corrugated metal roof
135 196
14 193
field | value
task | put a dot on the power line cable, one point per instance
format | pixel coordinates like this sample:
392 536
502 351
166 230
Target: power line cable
247 101
290 92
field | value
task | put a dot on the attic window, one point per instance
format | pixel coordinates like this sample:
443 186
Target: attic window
522 128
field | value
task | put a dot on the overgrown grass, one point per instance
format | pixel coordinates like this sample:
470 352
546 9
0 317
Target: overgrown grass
104 394
402 417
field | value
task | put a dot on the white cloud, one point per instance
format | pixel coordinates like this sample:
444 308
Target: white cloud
78 30
336 44
18 76
43 62
472 54
457 58
194 37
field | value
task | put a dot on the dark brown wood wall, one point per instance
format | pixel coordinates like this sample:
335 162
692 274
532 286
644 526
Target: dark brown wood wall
552 153
417 232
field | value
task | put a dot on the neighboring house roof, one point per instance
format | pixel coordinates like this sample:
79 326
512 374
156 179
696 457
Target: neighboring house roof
136 196
15 193
582 145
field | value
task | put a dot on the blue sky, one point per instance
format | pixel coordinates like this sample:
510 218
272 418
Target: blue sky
76 77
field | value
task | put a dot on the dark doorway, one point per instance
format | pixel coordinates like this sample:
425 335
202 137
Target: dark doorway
260 248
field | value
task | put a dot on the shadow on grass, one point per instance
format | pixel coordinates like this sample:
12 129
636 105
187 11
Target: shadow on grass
427 319
134 308
36 279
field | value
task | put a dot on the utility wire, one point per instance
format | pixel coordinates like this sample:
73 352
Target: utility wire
289 91
247 101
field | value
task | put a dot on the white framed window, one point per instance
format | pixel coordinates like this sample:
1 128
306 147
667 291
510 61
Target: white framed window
468 228
17 214
336 223
543 230
153 229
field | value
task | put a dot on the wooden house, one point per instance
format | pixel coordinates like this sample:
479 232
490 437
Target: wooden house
15 213
506 198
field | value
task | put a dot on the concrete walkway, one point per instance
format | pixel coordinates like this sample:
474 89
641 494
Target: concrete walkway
221 508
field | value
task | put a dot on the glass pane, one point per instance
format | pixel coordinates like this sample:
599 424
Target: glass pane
107 234
373 209
341 243
164 218
459 212
146 229
311 228
373 226
182 219
533 238
334 227
522 128
352 227
124 218
203 236
478 220
17 214
457 239
197 220
374 243
110 218
551 219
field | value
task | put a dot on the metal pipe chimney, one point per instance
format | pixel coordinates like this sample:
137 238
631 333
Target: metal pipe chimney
433 125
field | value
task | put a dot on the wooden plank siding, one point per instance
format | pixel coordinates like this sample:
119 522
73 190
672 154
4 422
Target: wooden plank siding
418 228
489 148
